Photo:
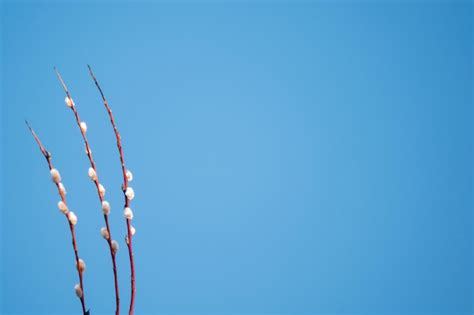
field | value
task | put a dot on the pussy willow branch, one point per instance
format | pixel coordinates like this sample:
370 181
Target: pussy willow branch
47 156
124 188
97 183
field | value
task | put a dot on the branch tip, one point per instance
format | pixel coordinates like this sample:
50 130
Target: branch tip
61 81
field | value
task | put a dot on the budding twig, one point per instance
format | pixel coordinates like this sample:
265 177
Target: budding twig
70 216
128 192
100 189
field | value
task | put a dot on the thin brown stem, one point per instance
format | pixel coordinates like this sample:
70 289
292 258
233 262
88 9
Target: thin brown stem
124 188
97 184
47 156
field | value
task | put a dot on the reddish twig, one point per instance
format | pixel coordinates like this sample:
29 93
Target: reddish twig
99 188
62 194
130 229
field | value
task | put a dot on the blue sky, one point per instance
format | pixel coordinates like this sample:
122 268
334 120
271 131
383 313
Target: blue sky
298 158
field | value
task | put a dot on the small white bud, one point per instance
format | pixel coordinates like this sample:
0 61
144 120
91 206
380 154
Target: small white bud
132 231
62 207
72 217
129 193
81 266
101 190
128 213
104 233
129 175
105 207
83 126
69 102
62 189
87 150
115 246
78 290
55 176
92 174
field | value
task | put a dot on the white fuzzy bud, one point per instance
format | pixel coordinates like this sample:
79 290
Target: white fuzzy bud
81 266
101 190
129 175
129 193
69 102
62 189
83 126
104 233
92 174
78 290
115 246
87 150
106 207
55 176
62 207
132 231
72 217
128 213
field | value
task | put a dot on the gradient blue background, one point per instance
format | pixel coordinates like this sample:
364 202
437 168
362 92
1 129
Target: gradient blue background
297 158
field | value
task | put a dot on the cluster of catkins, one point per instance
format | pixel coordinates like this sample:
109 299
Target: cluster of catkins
128 192
72 217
